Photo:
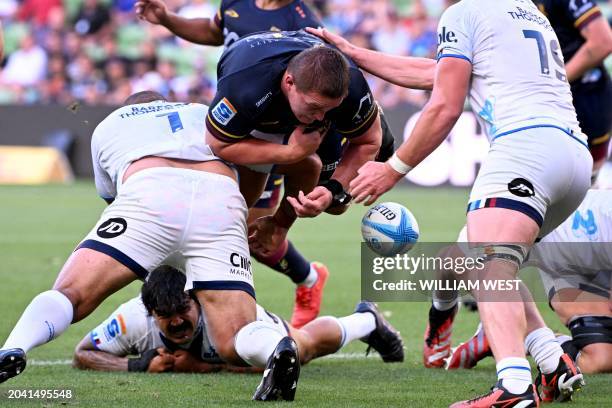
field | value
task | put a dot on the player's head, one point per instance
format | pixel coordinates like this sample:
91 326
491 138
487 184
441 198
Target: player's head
143 97
315 82
175 311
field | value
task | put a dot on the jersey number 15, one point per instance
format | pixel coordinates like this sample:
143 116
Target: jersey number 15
543 53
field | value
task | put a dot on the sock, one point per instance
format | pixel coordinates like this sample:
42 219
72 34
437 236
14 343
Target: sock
515 374
311 279
544 348
47 316
356 326
256 342
568 346
289 261
445 304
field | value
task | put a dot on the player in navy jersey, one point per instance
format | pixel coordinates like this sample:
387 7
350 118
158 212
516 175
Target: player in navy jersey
233 20
586 41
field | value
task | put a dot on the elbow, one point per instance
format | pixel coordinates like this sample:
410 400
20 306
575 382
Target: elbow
78 360
444 112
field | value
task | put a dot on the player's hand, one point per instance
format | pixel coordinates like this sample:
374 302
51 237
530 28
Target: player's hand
304 142
153 11
266 236
373 180
185 362
334 39
161 363
311 204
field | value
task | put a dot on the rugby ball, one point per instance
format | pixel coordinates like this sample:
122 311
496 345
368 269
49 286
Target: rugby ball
389 229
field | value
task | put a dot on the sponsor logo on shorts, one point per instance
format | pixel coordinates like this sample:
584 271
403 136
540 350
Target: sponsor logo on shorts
112 228
521 187
241 265
223 111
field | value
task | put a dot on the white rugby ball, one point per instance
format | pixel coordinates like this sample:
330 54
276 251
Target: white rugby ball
389 229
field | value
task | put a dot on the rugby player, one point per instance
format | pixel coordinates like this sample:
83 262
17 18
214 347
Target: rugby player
236 19
577 280
272 86
170 197
586 41
164 330
536 173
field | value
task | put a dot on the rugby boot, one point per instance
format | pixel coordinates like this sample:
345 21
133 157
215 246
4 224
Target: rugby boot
560 385
385 339
437 339
280 377
308 300
499 397
468 354
12 363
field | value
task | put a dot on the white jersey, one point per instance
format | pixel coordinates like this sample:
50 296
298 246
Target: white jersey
583 243
130 330
518 75
164 129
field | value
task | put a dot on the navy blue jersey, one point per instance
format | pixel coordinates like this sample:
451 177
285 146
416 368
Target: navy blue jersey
249 96
568 18
239 18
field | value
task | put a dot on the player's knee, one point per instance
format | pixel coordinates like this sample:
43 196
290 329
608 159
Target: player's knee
592 335
596 358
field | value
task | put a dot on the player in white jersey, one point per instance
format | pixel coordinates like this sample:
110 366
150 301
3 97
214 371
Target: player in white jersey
575 263
166 330
171 199
506 56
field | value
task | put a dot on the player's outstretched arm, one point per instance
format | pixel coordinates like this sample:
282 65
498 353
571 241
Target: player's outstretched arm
409 72
196 30
597 47
436 121
86 357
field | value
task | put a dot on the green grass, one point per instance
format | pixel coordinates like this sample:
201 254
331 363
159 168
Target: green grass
40 226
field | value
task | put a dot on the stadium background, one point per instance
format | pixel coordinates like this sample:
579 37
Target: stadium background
68 63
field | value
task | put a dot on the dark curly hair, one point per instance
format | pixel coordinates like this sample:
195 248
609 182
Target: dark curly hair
164 292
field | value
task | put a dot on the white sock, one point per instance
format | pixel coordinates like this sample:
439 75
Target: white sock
47 316
444 304
515 374
356 326
544 348
311 279
256 342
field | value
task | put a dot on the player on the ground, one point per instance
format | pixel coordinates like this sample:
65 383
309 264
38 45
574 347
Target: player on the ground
575 263
169 195
236 19
535 175
586 41
164 330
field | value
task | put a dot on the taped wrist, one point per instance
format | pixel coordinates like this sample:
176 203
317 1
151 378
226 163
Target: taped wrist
141 364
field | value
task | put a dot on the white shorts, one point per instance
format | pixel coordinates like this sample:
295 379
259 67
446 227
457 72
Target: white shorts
595 282
542 172
193 220
278 322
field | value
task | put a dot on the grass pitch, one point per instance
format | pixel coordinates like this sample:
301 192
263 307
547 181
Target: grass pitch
40 226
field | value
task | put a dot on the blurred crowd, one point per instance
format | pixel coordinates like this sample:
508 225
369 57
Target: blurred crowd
97 52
